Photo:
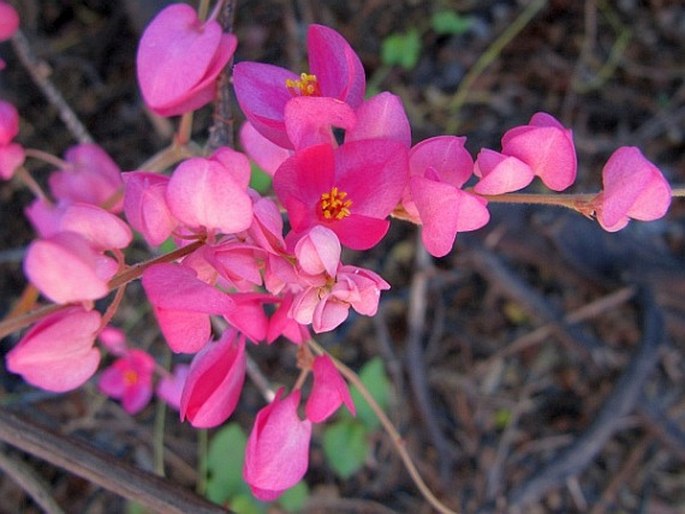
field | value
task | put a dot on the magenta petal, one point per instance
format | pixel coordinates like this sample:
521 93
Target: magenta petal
381 117
262 94
328 392
309 119
198 195
214 382
336 65
9 21
57 353
9 119
446 155
277 451
184 331
145 206
360 232
174 54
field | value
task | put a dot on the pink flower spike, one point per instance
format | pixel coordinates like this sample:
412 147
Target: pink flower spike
202 193
129 379
547 147
277 452
170 388
350 189
179 59
381 117
318 251
633 188
65 268
268 156
9 21
500 173
328 392
57 353
145 206
93 178
182 305
214 382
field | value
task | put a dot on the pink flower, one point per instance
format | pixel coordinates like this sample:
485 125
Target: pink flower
547 147
281 323
318 251
633 188
179 59
11 154
170 388
145 206
350 189
130 380
92 177
328 392
9 21
277 452
214 382
263 90
57 353
439 167
211 194
500 173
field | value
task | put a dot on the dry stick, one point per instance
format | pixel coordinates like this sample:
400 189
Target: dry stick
38 71
663 427
221 132
395 437
490 54
416 367
29 481
103 469
620 403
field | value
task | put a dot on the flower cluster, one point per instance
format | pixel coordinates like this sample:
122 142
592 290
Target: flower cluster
235 258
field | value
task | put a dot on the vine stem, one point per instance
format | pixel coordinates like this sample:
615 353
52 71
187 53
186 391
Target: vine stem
395 436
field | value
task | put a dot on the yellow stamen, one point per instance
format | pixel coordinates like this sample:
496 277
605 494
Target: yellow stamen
306 86
334 206
130 377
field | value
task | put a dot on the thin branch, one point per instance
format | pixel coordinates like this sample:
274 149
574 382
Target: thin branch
105 470
37 70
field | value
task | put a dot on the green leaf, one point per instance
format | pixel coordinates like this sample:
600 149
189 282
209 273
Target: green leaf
450 22
401 49
374 378
246 504
225 464
345 445
293 499
260 180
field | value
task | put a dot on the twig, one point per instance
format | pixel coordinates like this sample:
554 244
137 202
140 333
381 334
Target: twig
221 132
414 359
37 70
31 483
103 469
395 437
620 402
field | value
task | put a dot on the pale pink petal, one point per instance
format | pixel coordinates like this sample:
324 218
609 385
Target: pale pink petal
500 173
145 206
329 313
57 353
170 388
319 251
114 340
102 229
309 120
11 157
268 156
381 117
446 156
236 164
198 195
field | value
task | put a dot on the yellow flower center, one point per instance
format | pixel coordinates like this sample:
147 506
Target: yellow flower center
130 377
334 206
306 86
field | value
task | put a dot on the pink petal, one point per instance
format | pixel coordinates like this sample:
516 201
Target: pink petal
235 163
57 354
381 117
328 392
145 206
336 65
198 195
308 119
65 268
184 331
500 173
277 451
319 251
446 155
102 229
261 92
359 232
9 117
9 21
268 156
11 157
215 381
329 313
170 388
